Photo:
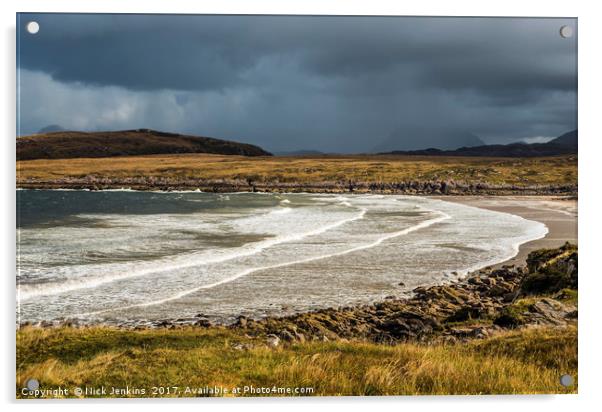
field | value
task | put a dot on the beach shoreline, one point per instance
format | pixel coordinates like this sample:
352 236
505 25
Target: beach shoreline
489 302
558 213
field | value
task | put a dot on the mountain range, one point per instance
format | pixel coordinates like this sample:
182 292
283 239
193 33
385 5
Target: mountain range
564 144
72 144
418 138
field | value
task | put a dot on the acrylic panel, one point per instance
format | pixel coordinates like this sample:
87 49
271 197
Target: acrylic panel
266 205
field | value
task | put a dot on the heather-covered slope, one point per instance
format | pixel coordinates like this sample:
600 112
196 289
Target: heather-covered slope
69 144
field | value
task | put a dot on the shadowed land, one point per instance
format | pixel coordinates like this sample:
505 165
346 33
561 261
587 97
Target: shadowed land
72 144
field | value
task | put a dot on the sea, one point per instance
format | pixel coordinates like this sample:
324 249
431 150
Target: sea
133 258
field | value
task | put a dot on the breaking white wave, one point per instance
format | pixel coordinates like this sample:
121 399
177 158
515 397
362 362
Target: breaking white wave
294 262
249 253
135 269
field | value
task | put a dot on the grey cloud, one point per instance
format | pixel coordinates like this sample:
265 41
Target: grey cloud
326 83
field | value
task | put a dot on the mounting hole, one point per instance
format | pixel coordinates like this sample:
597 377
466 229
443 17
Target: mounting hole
567 380
32 27
566 32
32 384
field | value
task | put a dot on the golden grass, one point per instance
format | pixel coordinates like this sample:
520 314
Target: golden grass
527 361
368 168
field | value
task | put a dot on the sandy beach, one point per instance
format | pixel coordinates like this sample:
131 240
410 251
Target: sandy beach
559 214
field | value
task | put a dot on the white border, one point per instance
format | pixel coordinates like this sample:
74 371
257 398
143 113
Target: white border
590 34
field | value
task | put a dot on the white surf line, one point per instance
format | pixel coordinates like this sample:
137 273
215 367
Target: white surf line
538 233
422 225
46 290
515 249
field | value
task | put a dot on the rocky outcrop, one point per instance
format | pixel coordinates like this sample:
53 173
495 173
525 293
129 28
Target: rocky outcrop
444 187
551 270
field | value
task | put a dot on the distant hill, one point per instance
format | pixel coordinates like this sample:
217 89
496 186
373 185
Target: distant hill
70 144
565 144
429 136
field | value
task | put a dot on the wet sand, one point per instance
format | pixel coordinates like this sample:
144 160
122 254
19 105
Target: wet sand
557 213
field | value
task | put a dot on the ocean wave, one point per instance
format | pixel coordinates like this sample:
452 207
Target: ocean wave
385 243
26 292
422 225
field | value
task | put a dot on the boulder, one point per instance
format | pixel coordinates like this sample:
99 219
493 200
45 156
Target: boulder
490 281
475 280
501 288
548 311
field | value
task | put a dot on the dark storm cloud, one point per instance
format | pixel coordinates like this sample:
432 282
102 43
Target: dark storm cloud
327 83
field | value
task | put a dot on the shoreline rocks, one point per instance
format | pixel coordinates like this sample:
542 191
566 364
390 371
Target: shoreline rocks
224 186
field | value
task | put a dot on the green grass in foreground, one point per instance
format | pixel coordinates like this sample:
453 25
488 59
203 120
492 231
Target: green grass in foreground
525 361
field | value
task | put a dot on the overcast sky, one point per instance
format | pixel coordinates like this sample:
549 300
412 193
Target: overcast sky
344 84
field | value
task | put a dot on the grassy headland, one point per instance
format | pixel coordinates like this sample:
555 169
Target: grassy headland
362 173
